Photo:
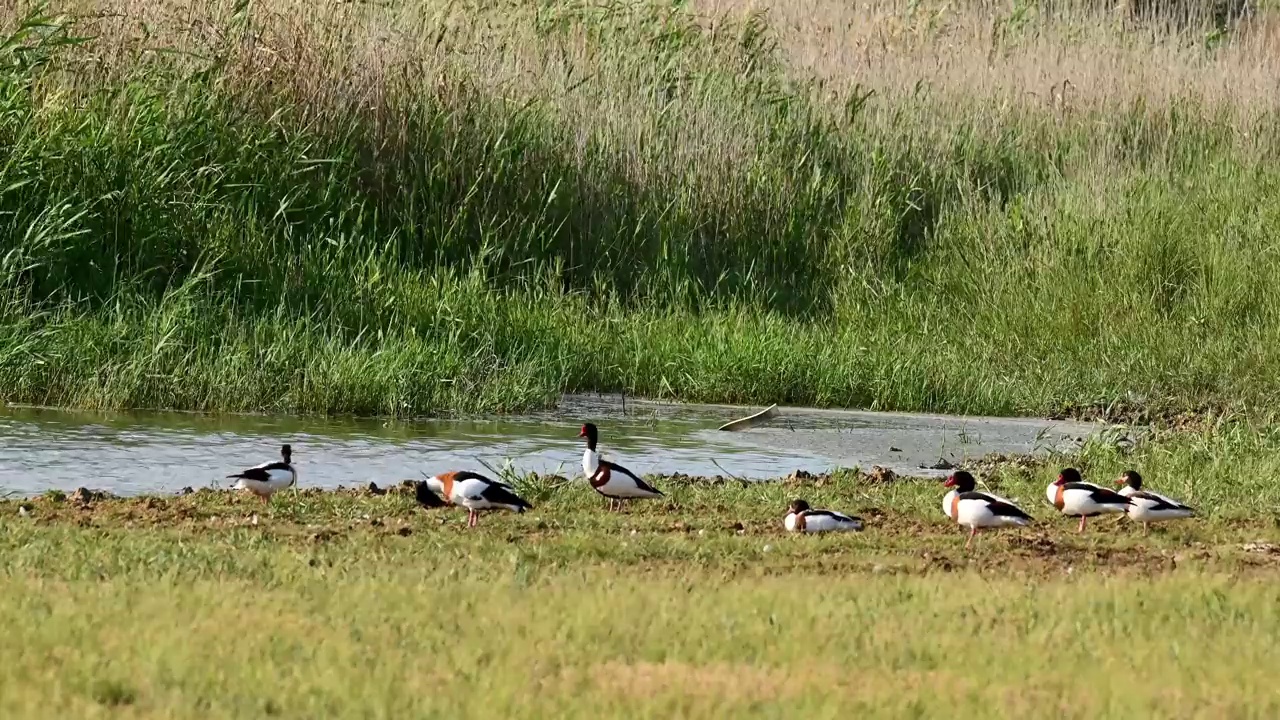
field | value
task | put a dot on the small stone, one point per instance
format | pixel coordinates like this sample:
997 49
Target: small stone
768 548
375 522
254 519
701 533
877 569
635 532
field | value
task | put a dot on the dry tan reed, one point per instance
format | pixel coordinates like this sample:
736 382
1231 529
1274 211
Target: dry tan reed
1072 56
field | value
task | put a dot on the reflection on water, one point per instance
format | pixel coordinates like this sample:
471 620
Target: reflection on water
131 453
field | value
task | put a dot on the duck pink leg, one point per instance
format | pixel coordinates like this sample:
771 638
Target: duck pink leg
973 531
471 518
1082 519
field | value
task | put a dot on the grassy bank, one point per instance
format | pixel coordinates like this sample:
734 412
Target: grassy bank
347 604
335 207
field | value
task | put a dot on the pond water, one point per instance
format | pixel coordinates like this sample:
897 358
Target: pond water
134 453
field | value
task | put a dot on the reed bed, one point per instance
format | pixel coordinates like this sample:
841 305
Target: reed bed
450 207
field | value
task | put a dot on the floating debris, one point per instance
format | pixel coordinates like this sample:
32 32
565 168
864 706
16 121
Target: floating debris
751 420
942 464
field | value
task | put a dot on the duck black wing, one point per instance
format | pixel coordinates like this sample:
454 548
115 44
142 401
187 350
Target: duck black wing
998 506
833 515
615 467
1160 502
261 473
1099 494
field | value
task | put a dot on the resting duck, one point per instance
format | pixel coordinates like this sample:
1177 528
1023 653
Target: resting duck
801 518
1147 507
475 492
1073 496
611 479
968 507
266 479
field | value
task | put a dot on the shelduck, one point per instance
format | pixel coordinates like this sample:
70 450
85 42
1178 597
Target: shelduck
970 508
801 518
611 479
475 492
270 477
1075 497
1147 507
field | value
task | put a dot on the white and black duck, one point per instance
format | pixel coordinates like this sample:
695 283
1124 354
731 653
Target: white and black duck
802 518
268 478
1147 507
970 508
476 493
611 479
1072 496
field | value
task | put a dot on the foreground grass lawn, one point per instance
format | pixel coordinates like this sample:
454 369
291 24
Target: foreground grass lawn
356 605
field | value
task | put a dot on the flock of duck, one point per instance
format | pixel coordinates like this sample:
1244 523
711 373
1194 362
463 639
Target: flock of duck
963 503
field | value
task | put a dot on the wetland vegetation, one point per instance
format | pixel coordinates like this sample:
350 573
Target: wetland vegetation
442 207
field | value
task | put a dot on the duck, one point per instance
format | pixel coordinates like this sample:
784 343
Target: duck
802 518
475 492
1075 497
968 507
270 477
1147 507
611 479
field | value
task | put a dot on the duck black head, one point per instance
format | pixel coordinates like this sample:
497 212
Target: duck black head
798 506
589 432
961 480
1068 475
286 452
1130 478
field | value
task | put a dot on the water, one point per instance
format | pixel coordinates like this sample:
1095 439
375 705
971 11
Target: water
134 453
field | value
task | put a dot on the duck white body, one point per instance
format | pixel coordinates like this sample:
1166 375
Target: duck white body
972 509
1072 496
268 478
611 479
476 492
980 512
1148 507
801 518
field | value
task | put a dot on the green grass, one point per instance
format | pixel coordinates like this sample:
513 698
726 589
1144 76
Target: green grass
349 605
276 209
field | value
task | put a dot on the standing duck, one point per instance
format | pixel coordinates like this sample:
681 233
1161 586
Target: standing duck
801 518
1147 507
1073 496
968 507
475 492
611 479
266 479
